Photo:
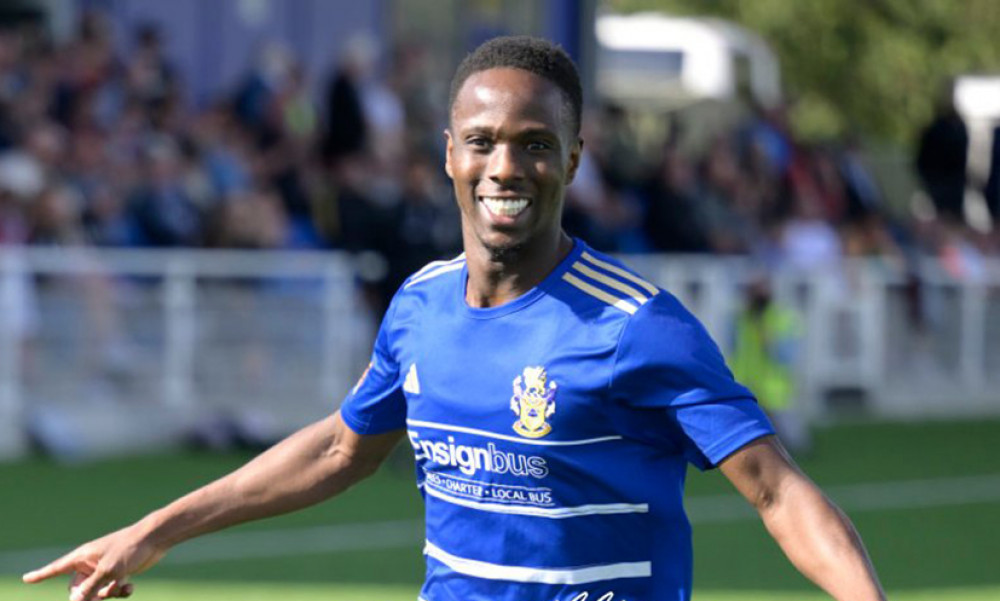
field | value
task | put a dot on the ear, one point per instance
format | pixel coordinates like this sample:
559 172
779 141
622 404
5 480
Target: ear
447 153
574 160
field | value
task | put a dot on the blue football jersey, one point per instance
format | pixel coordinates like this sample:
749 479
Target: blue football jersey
552 434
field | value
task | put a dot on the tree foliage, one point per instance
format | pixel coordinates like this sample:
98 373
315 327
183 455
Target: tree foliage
873 66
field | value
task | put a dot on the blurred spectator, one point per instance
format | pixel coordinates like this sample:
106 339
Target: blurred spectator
769 133
608 218
294 116
55 218
941 159
421 92
957 250
426 223
809 243
164 211
767 340
271 69
992 190
150 78
729 230
105 150
363 221
20 181
90 90
107 220
347 129
383 110
225 150
614 147
672 219
864 197
253 220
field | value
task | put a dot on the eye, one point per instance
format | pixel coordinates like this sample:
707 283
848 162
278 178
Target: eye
538 146
478 142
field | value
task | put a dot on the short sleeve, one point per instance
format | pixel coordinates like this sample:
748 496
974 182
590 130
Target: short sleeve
376 403
666 362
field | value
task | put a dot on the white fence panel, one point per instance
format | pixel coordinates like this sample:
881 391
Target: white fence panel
113 351
125 350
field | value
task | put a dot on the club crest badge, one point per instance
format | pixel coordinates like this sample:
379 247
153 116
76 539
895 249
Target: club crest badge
534 400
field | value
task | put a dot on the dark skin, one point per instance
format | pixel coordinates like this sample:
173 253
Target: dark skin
510 137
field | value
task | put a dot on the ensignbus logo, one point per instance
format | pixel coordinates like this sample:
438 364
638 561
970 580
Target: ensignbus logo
470 459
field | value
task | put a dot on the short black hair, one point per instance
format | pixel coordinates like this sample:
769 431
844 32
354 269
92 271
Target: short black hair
535 55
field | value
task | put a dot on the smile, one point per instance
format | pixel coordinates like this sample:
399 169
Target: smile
505 207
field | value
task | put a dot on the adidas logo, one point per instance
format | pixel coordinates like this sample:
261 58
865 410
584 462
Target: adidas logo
412 384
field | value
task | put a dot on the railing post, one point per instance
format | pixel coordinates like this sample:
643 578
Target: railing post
816 344
339 342
718 294
180 332
11 309
871 330
972 365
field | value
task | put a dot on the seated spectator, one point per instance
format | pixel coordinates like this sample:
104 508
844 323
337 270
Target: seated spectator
809 243
672 215
162 208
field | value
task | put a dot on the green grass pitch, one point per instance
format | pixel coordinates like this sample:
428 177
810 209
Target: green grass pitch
946 550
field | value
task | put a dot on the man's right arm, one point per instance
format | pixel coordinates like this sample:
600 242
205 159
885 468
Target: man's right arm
314 464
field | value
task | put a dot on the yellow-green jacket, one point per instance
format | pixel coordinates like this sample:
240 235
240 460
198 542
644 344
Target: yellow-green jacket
764 354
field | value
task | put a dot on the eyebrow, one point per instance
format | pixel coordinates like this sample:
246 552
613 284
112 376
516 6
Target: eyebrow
523 133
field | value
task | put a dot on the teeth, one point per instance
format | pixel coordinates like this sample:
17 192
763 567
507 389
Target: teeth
505 207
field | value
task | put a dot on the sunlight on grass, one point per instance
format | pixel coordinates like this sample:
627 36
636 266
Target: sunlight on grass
987 593
165 590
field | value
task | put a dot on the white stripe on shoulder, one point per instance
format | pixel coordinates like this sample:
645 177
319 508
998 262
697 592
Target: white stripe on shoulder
554 513
493 571
611 282
614 301
432 270
487 434
434 264
628 275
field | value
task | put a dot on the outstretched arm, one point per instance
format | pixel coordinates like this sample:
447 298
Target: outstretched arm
815 535
314 464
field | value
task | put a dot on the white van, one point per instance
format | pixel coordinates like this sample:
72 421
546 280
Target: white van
661 61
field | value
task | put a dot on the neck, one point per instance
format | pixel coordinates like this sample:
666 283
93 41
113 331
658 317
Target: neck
498 278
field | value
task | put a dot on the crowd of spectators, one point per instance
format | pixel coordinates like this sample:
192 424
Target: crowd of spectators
757 190
107 149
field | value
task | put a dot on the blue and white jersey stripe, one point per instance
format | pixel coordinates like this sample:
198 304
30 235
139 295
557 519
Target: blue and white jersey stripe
576 575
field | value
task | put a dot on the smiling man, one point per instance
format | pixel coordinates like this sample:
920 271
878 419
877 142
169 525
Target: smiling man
552 397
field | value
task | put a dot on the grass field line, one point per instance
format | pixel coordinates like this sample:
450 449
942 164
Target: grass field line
259 544
705 509
900 494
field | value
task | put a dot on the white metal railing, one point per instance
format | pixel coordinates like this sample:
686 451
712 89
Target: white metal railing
125 349
146 343
860 336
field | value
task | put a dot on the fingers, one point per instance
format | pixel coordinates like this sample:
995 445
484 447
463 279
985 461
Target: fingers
94 583
115 588
120 588
63 565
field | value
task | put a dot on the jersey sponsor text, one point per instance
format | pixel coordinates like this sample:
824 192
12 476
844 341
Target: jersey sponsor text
470 459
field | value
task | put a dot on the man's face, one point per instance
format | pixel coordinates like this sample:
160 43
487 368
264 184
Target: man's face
511 153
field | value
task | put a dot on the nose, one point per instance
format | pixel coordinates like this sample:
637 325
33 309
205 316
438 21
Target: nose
504 165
